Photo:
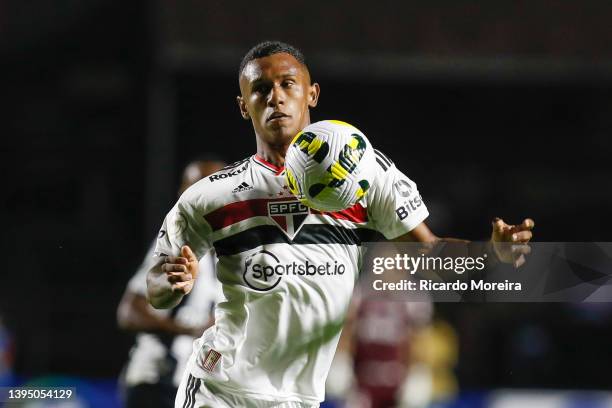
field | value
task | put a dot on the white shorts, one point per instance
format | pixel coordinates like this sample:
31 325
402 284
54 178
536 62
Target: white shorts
195 392
199 393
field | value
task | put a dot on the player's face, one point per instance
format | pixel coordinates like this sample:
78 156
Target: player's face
276 97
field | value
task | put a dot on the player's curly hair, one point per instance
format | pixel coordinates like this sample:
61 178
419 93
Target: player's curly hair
267 48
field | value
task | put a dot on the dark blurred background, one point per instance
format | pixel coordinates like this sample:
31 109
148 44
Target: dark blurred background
495 108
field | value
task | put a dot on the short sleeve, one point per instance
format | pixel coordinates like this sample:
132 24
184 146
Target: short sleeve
394 203
184 225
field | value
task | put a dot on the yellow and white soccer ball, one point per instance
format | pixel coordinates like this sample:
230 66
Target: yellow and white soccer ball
330 165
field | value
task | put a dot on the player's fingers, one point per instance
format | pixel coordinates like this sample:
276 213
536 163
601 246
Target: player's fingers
519 262
188 253
184 287
168 267
521 236
528 223
176 260
521 250
498 223
499 228
174 277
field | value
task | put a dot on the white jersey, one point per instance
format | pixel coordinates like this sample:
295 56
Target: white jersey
157 358
287 272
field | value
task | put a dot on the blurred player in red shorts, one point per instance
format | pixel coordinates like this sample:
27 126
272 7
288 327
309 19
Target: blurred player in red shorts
383 336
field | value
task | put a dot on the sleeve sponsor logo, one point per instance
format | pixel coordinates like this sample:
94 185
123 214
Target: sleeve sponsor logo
227 174
409 206
402 188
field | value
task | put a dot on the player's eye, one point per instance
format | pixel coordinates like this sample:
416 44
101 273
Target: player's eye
261 89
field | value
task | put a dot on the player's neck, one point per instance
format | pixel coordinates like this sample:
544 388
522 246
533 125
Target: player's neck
273 154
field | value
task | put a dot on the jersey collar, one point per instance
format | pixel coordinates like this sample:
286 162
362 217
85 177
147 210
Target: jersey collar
268 166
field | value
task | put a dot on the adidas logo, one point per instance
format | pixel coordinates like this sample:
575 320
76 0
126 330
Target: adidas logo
242 187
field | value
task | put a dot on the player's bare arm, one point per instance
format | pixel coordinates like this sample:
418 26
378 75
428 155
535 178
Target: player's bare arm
172 278
134 314
501 235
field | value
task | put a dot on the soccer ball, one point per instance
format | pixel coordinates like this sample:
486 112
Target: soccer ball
330 165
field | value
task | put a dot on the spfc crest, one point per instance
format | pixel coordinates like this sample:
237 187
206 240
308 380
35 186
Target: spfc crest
288 215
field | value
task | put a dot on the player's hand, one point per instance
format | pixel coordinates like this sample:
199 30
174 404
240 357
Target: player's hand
181 271
519 235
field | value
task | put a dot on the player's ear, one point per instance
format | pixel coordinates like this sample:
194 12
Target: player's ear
313 95
243 109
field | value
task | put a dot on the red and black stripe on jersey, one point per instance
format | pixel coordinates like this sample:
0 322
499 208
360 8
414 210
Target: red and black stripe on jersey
320 234
269 234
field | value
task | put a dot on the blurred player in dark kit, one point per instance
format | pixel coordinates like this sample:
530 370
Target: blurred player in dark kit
164 338
273 341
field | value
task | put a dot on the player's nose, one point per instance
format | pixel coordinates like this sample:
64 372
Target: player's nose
276 96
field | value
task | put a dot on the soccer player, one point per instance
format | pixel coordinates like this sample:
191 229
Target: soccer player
164 338
287 272
383 335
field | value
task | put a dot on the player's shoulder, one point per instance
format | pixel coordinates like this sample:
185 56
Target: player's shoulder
230 172
383 162
384 170
216 187
388 175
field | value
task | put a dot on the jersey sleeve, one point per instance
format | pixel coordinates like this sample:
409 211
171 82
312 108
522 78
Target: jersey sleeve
184 225
394 202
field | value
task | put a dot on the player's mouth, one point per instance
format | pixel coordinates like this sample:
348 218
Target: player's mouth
277 116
